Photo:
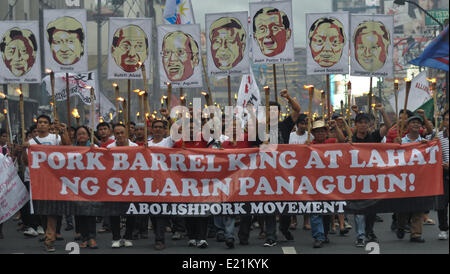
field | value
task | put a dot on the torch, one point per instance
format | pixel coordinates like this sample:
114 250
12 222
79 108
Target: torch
116 89
52 85
311 94
22 114
76 115
169 94
396 98
404 114
92 114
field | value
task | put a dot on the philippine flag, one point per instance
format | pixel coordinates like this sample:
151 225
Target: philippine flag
179 12
435 54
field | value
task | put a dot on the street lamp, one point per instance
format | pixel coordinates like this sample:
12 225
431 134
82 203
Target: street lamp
402 2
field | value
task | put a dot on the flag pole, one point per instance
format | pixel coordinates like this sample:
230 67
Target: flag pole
5 112
369 99
396 99
144 78
52 86
349 90
267 93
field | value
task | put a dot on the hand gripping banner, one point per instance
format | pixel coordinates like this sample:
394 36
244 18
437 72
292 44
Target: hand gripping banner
293 179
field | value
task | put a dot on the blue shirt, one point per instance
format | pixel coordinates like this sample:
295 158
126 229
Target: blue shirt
406 140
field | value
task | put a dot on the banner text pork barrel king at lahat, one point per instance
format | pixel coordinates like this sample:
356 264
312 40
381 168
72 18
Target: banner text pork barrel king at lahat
199 178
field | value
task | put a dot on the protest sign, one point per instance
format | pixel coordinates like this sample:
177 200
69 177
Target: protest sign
13 194
19 48
294 179
65 40
129 45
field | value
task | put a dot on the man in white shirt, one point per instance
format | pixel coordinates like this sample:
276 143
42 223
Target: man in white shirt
299 137
45 138
121 136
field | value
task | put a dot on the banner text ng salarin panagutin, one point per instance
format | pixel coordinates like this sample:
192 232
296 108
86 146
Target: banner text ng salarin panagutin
293 179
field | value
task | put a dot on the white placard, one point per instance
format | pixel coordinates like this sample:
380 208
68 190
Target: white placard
65 40
372 45
227 43
327 43
272 32
179 56
20 54
13 194
129 43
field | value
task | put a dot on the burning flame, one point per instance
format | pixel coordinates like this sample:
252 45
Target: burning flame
121 99
204 93
115 85
138 114
142 92
396 81
432 80
137 90
266 88
75 113
48 71
5 111
407 80
110 116
19 91
2 95
168 84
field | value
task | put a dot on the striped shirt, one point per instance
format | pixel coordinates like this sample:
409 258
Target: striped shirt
443 137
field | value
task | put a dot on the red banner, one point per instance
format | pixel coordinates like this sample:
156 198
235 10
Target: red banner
289 173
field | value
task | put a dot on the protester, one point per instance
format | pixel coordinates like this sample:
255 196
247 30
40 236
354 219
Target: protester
413 125
121 140
365 223
300 136
443 200
320 225
87 224
46 138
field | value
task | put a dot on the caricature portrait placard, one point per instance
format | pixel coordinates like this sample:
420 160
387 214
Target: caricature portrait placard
179 55
327 43
20 53
227 43
272 32
372 45
129 45
65 40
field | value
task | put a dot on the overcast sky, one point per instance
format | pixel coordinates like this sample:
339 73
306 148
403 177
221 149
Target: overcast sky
300 7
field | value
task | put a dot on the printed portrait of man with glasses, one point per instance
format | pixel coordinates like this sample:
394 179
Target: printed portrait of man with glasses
180 55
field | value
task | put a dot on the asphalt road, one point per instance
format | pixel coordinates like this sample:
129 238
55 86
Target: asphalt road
15 242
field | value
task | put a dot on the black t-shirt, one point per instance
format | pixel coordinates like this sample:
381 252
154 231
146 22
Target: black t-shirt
373 137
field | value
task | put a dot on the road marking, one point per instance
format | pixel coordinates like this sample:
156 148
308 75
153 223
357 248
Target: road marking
289 250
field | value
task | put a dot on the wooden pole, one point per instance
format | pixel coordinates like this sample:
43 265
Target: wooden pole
146 112
369 99
324 103
144 78
267 93
92 114
169 95
8 131
433 89
206 75
68 101
22 113
311 94
229 90
275 82
404 114
116 89
349 103
396 98
52 86
328 98
285 80
128 103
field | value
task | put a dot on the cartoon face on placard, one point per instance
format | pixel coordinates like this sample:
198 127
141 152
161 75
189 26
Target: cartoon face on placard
327 43
180 55
272 32
227 43
129 47
19 52
66 39
372 47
